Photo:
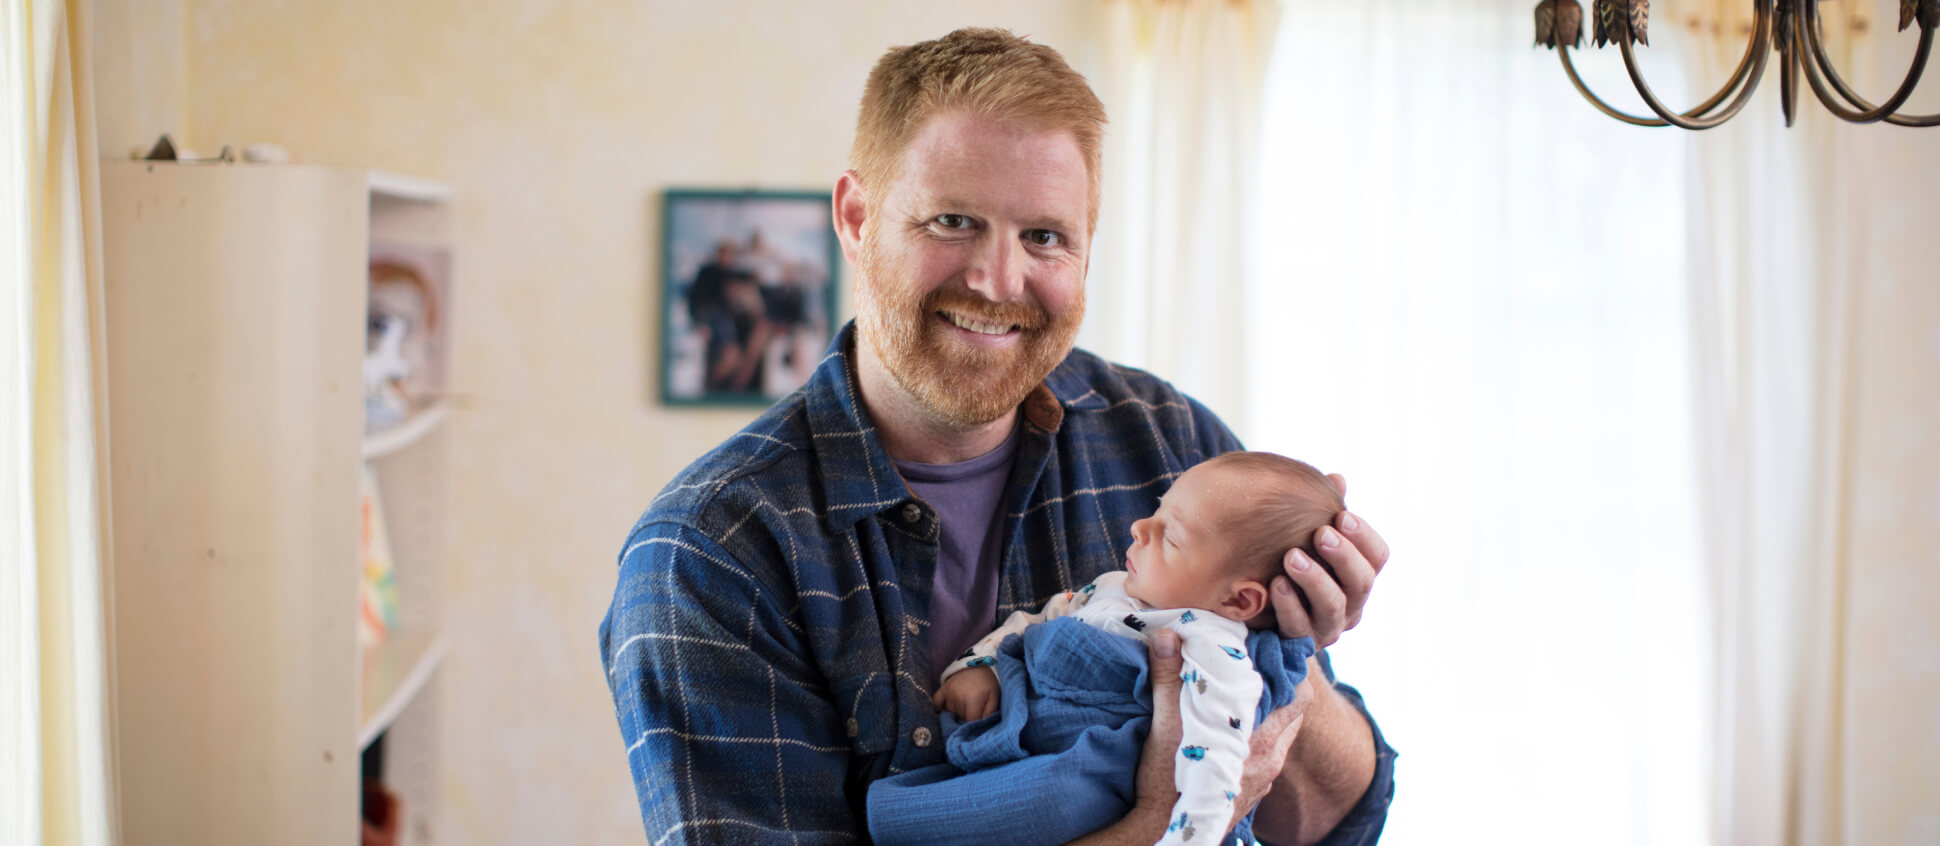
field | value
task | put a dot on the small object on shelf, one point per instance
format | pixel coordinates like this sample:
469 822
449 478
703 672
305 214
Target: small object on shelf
382 811
163 151
377 612
262 152
166 151
404 346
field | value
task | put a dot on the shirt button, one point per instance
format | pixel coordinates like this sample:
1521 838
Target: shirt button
912 512
921 736
913 626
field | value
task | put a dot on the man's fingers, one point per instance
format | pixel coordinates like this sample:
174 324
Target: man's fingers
1155 783
1350 569
1326 604
1364 538
1289 615
1340 484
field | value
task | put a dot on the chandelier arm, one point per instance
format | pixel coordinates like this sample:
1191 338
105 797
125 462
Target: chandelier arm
1563 50
1702 109
1816 55
1761 42
1789 59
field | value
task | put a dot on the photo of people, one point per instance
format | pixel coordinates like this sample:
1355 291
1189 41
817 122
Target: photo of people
750 294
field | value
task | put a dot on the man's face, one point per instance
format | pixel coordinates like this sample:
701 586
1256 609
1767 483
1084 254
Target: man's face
970 276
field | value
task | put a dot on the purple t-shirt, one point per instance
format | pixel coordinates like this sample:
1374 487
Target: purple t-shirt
966 496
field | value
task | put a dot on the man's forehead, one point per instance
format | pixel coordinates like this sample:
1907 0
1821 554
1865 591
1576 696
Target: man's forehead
963 162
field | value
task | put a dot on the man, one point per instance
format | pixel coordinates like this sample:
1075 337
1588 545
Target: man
785 603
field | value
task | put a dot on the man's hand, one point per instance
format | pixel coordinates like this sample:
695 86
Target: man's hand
1265 758
1266 754
1154 786
1353 554
971 694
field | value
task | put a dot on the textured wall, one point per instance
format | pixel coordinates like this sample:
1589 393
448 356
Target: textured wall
558 123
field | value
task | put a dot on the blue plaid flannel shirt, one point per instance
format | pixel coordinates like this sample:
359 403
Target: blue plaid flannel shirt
765 641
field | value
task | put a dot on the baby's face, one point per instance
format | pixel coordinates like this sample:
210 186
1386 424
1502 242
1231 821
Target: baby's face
1179 558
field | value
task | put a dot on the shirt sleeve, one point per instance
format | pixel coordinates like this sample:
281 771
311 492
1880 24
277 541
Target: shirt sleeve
1363 824
728 731
983 653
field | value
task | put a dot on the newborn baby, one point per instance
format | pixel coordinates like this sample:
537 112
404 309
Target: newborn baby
1199 566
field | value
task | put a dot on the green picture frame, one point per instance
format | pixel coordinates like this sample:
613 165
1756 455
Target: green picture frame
748 294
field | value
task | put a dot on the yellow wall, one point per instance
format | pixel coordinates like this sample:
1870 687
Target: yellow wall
558 124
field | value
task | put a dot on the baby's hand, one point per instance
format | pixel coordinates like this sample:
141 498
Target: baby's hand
971 694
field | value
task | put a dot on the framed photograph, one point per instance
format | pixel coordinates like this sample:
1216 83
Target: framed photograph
750 283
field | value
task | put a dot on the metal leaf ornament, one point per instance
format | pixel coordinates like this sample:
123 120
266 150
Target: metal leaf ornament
1907 10
1569 22
1559 22
1620 19
1607 27
1640 21
1930 14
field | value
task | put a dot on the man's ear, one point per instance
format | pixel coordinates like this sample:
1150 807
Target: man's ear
1246 599
850 210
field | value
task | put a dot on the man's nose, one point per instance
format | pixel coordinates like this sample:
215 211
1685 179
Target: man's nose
997 270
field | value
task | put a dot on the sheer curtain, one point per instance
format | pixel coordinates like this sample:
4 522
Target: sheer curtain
56 765
1183 86
1772 330
1473 302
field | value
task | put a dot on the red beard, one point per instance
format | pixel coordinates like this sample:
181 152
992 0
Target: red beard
962 384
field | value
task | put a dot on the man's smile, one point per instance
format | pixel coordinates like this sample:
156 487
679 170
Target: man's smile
980 327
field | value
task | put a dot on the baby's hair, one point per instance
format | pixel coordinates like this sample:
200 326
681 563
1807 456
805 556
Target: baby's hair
1287 502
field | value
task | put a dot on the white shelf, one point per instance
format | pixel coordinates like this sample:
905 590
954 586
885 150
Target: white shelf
420 423
410 189
394 672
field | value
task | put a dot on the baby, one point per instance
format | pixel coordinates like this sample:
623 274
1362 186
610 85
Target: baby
1200 566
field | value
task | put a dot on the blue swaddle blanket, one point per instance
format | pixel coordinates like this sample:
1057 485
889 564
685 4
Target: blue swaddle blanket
1058 759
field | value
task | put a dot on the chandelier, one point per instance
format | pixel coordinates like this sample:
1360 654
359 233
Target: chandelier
1791 27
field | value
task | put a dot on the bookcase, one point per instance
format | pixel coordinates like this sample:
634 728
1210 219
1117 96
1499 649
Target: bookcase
236 318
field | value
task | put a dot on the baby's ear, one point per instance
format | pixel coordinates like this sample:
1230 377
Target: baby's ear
1245 599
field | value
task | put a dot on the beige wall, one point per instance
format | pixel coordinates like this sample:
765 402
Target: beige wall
558 124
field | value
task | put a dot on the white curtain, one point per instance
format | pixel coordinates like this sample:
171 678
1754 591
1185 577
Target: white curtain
1772 341
1183 87
1473 301
56 770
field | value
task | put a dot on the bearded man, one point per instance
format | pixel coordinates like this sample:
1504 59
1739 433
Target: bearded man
785 604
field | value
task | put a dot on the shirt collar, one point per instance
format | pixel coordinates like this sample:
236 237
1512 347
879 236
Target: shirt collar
845 437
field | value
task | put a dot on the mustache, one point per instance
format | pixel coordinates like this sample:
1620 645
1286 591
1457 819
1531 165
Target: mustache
1024 315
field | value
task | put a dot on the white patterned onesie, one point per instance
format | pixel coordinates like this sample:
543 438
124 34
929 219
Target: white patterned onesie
1216 703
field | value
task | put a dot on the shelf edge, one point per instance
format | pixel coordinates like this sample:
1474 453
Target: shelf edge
407 690
412 189
404 434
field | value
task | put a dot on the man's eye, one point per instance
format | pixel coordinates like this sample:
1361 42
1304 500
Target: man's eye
1044 238
952 221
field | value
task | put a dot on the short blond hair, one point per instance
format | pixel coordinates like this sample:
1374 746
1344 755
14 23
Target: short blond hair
986 72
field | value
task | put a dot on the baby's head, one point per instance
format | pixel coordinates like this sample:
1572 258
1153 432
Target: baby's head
1222 531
